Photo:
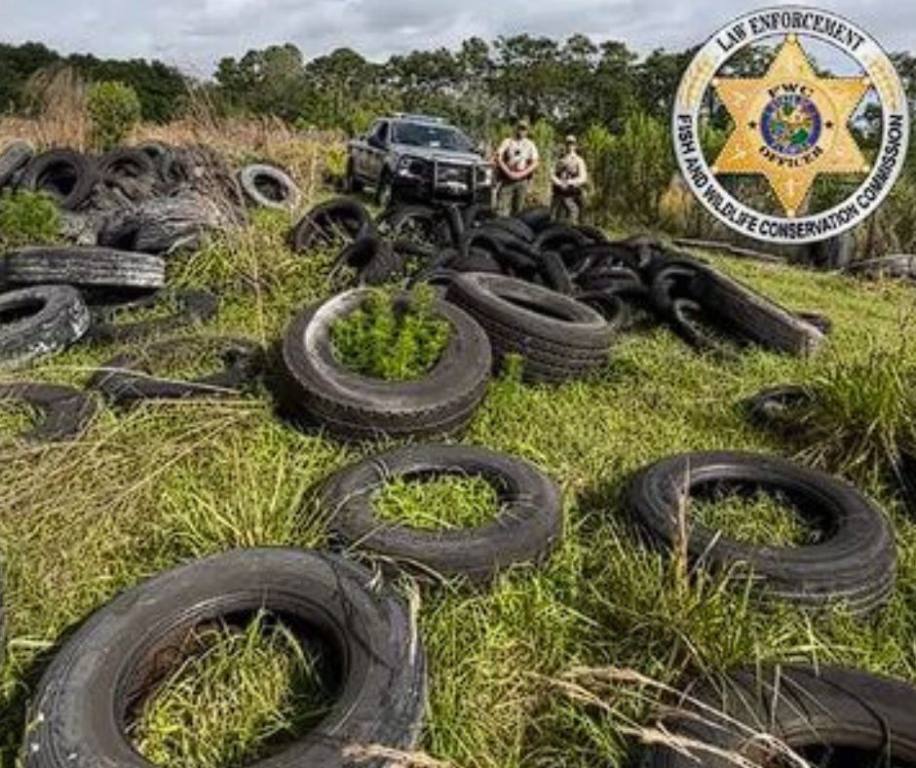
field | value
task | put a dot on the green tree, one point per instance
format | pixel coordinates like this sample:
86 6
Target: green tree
114 109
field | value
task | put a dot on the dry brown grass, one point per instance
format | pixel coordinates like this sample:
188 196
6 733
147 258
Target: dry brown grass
61 120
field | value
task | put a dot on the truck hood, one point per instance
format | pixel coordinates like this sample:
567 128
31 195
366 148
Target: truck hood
441 155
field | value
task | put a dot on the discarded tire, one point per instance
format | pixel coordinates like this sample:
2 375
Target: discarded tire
373 260
364 633
65 412
753 315
191 308
13 159
67 176
40 321
853 562
83 267
129 378
354 407
526 530
269 187
898 266
777 407
559 338
827 716
339 219
126 163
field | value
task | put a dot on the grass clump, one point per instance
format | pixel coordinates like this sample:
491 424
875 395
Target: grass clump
228 705
15 418
449 502
114 111
28 218
392 340
759 520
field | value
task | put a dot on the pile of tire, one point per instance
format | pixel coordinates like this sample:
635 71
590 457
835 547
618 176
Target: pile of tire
153 198
626 281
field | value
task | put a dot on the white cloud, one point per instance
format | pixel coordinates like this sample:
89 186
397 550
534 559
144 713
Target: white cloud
194 34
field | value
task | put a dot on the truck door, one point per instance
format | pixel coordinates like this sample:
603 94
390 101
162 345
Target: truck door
379 141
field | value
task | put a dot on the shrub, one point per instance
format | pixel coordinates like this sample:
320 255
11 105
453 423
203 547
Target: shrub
114 109
386 340
28 218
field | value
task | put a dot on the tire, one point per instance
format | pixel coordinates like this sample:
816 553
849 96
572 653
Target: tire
66 412
128 379
669 283
433 221
339 217
559 337
753 315
868 720
86 267
269 187
40 321
193 308
777 407
537 219
126 163
514 227
83 698
158 152
526 530
375 261
694 326
67 176
555 275
356 407
854 562
13 159
898 266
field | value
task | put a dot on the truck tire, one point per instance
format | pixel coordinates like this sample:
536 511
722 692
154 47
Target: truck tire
126 163
351 406
855 718
853 563
322 225
129 378
559 338
269 187
67 176
384 191
65 412
13 159
375 658
40 321
374 260
352 183
87 267
526 530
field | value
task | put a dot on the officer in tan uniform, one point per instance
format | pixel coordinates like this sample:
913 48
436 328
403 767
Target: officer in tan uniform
569 179
516 160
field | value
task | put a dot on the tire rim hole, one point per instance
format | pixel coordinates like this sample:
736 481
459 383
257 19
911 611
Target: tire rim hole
758 515
20 310
246 685
60 179
271 188
441 499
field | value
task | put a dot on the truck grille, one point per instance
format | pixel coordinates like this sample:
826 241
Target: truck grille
449 175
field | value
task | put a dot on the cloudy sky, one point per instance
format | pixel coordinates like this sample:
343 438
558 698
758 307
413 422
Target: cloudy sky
193 34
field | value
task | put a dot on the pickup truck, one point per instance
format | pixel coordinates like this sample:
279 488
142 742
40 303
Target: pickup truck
419 158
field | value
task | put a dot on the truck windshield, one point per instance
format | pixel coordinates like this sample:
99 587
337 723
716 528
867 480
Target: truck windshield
432 136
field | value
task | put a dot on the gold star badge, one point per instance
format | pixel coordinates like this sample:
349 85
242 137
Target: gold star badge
791 125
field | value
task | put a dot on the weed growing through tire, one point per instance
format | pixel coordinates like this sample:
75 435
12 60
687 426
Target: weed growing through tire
28 218
385 341
245 691
760 520
15 418
444 502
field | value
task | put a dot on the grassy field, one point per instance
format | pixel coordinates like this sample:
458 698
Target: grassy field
529 673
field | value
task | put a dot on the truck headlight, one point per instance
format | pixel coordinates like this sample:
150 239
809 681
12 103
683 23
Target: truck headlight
412 167
485 175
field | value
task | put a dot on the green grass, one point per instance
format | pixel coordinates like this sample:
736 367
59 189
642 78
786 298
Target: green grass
761 520
243 689
442 503
386 341
15 418
28 218
510 667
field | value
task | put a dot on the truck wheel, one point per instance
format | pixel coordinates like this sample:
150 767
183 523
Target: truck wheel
352 184
384 192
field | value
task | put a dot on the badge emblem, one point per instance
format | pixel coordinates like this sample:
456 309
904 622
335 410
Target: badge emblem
791 125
